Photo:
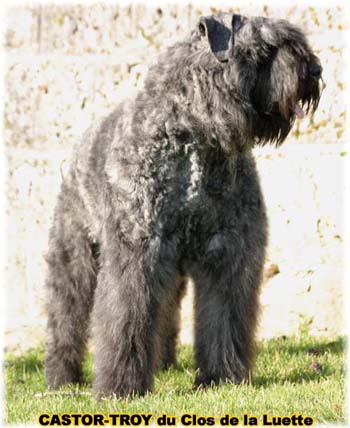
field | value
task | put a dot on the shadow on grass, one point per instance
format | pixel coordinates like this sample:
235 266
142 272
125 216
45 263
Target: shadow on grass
184 365
276 362
293 377
312 361
316 348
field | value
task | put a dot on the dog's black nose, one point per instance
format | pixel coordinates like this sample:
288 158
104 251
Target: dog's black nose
315 70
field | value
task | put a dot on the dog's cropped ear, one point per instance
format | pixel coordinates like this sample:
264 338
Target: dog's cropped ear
218 31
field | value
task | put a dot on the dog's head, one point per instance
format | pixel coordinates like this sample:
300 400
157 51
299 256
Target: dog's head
266 65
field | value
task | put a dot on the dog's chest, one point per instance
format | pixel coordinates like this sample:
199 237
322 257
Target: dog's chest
175 188
192 185
192 169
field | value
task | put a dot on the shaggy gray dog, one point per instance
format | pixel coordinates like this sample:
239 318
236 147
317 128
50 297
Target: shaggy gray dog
165 188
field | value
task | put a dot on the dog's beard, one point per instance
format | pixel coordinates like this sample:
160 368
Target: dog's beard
275 118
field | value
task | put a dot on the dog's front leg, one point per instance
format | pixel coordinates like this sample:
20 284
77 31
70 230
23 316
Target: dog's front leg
227 284
132 283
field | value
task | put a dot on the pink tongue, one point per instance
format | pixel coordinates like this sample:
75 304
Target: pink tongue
299 111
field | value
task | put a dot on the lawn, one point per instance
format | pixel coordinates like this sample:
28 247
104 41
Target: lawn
299 375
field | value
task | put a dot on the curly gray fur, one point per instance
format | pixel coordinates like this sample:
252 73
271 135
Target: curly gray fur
166 188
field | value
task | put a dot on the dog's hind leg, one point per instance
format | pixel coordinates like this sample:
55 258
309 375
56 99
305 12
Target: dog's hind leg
70 283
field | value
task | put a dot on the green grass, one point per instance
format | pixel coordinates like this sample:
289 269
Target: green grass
292 375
